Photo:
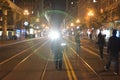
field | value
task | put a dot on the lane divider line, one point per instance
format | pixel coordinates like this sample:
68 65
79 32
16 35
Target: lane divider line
68 72
90 51
16 55
83 61
29 55
70 69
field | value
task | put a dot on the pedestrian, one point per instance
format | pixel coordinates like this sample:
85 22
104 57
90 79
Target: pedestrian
57 50
113 50
77 40
90 36
101 43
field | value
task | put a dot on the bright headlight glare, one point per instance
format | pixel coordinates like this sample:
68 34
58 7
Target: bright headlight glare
63 44
54 35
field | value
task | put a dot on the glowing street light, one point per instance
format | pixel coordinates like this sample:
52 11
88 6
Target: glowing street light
26 23
77 21
91 13
37 20
43 25
94 1
72 24
26 12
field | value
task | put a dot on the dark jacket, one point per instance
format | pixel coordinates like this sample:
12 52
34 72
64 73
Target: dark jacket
77 38
113 44
101 40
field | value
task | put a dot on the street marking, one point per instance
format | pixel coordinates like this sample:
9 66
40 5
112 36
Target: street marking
29 55
70 71
85 49
83 61
43 74
71 68
16 55
90 51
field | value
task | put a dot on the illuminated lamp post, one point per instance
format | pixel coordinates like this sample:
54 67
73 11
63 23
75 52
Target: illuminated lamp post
26 23
72 26
78 25
90 14
77 21
26 12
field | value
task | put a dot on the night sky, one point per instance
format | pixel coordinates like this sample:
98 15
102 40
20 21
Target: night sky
55 4
59 5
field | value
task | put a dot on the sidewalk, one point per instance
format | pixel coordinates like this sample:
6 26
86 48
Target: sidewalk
10 42
7 42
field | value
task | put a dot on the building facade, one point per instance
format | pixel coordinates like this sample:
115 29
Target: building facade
110 9
9 15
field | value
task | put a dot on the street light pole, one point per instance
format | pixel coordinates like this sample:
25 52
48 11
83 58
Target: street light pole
25 22
77 25
90 14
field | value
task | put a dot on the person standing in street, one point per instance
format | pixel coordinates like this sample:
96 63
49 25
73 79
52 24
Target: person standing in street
57 50
113 50
101 44
77 40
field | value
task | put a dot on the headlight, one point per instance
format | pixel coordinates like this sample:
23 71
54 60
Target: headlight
54 35
63 44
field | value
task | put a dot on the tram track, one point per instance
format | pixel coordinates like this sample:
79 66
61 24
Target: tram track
15 48
94 47
42 76
84 62
20 61
21 52
72 75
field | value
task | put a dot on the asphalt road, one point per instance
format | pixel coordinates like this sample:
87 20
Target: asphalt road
33 60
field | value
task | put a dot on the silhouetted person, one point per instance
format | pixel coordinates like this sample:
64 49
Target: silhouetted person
77 40
101 44
57 50
113 49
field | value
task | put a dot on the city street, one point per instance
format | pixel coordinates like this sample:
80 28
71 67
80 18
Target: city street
33 60
59 39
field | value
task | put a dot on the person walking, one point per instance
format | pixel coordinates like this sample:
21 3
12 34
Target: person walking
101 44
57 50
77 40
113 50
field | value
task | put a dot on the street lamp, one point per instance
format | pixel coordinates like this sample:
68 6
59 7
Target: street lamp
77 26
26 23
26 12
71 24
77 21
90 14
